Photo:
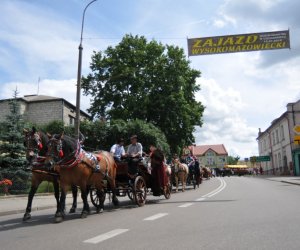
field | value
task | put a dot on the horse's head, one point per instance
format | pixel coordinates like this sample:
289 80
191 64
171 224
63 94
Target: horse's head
33 143
60 147
55 148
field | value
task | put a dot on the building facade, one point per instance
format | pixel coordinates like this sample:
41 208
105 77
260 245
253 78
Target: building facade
213 156
41 109
277 141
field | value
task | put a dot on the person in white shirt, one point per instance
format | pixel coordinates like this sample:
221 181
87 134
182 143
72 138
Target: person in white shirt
117 150
134 153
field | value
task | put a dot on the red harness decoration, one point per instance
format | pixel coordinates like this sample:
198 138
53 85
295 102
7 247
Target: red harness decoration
75 159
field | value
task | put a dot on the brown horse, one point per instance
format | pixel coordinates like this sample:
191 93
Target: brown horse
206 172
76 167
35 143
180 172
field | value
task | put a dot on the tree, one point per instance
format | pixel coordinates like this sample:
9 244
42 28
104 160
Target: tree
12 150
102 135
145 80
233 160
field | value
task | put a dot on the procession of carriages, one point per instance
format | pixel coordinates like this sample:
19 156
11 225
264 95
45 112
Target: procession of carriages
60 159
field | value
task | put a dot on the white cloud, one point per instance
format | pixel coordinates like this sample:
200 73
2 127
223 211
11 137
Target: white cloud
222 119
57 88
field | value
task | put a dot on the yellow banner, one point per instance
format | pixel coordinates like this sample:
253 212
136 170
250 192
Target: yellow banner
239 43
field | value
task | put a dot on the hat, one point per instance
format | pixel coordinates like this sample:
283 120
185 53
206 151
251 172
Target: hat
133 137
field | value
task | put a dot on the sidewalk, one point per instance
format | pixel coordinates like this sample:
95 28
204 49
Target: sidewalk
15 204
295 180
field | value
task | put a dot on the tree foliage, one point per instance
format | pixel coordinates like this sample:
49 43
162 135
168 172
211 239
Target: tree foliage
12 150
149 81
102 135
233 160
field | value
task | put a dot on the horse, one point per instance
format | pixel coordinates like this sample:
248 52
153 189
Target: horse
180 172
35 143
77 167
206 172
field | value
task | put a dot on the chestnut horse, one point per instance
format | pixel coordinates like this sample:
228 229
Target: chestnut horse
35 143
76 167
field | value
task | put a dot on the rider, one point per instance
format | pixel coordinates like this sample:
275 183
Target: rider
134 153
117 150
158 172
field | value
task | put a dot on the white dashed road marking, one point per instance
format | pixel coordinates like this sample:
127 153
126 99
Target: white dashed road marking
186 205
106 236
156 216
200 199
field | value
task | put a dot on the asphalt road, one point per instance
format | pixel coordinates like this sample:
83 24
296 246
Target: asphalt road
224 213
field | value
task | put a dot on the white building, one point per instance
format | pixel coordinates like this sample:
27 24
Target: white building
277 141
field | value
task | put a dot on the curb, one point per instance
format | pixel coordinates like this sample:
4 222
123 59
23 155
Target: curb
293 183
21 211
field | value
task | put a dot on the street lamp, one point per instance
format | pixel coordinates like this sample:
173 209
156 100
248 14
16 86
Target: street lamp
80 48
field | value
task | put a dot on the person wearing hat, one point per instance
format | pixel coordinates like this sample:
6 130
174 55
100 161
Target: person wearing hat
117 150
134 153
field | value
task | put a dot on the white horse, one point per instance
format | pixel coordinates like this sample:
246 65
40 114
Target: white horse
181 172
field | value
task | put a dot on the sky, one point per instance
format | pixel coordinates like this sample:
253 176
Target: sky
242 92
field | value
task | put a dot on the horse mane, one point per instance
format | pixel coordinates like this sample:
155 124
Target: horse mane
69 144
44 139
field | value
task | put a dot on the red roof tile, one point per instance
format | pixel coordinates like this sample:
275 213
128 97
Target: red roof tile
202 149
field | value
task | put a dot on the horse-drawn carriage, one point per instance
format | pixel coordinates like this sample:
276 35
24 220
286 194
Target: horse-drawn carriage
136 187
73 167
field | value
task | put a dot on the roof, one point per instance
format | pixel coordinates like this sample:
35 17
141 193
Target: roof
277 120
45 98
202 149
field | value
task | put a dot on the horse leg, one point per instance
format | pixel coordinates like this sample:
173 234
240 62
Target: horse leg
56 194
59 215
86 207
176 180
33 188
100 194
114 193
183 180
74 194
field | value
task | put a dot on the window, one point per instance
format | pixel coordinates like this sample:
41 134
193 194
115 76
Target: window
279 160
277 137
275 161
71 120
273 137
282 133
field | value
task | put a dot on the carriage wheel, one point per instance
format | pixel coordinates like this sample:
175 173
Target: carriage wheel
130 194
167 191
95 199
140 191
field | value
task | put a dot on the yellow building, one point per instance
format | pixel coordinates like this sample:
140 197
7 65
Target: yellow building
214 156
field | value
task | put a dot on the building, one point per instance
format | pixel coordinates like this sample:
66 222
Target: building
277 141
41 109
210 155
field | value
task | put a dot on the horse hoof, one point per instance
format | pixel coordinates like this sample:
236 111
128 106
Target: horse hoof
84 214
58 219
99 210
115 202
72 210
26 216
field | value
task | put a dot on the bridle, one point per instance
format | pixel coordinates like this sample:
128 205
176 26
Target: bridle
33 143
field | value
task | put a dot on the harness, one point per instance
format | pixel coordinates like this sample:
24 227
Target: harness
73 159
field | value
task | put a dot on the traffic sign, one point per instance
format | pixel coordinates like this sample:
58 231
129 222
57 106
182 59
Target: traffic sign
263 158
297 129
297 139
